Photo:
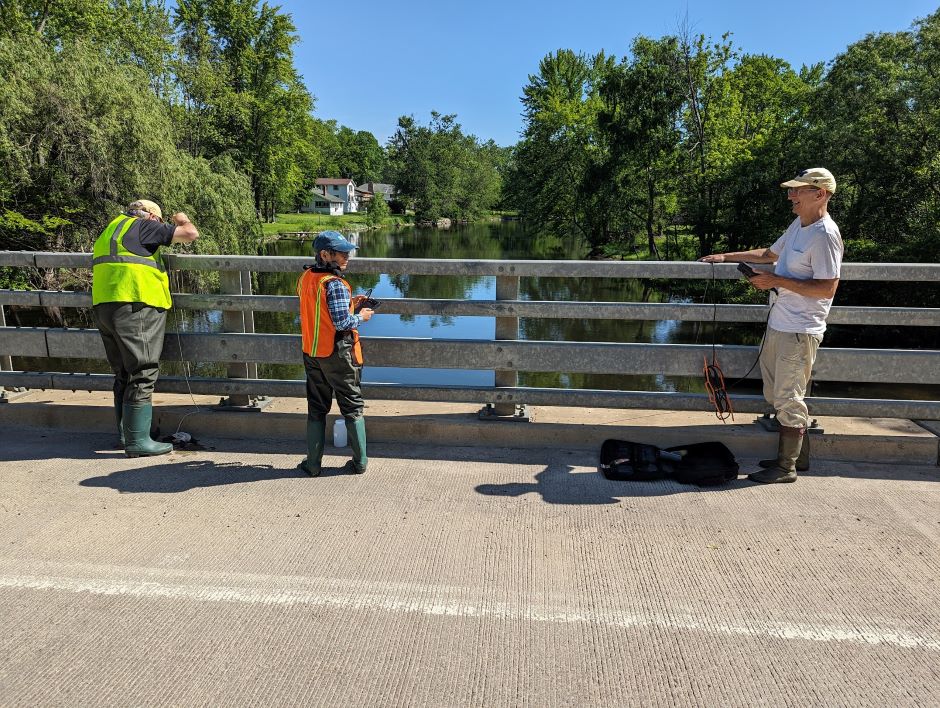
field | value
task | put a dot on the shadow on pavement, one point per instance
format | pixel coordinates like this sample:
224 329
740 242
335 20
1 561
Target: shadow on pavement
893 472
55 444
558 484
184 476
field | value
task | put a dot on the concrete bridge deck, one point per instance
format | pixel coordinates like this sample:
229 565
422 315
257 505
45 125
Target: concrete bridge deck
452 575
886 440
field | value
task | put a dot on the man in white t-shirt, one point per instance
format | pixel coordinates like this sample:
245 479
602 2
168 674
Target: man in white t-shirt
807 258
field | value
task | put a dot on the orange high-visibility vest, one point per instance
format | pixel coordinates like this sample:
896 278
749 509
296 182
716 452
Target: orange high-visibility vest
316 325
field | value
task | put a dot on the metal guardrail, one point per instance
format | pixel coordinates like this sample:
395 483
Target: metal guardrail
240 349
689 312
676 270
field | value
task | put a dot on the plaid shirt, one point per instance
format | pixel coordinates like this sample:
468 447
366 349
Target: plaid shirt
337 299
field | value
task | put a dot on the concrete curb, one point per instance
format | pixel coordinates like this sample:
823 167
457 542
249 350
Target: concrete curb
850 439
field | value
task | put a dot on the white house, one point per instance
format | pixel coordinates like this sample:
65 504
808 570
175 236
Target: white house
344 189
323 204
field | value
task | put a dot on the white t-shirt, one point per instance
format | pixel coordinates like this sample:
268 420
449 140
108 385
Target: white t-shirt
804 253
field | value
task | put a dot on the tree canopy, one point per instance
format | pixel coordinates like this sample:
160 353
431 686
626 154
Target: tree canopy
199 108
441 172
686 130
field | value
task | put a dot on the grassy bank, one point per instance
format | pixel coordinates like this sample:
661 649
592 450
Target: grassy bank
682 246
312 223
321 222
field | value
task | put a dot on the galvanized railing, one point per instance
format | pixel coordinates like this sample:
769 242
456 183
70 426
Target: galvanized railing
241 349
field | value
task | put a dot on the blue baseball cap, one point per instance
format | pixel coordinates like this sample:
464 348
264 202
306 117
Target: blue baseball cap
331 241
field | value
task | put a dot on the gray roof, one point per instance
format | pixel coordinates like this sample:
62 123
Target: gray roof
380 187
317 194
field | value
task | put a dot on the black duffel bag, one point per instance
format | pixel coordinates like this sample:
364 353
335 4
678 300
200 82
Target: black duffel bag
703 464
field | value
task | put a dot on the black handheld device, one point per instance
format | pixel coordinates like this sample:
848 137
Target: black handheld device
747 270
369 302
750 273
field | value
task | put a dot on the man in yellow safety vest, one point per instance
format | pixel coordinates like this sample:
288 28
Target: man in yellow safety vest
130 298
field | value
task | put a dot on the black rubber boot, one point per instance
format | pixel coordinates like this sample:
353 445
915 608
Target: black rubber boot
784 469
136 423
356 431
316 439
802 462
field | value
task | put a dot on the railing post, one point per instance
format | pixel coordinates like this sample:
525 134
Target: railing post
236 282
6 364
6 361
507 328
249 316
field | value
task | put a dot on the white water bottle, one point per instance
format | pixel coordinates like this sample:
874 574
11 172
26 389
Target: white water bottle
339 433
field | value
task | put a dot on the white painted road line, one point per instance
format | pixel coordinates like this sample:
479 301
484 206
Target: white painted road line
424 599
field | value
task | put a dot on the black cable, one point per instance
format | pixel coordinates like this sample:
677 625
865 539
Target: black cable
176 279
759 351
714 377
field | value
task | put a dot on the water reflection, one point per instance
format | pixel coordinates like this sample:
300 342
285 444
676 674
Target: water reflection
506 240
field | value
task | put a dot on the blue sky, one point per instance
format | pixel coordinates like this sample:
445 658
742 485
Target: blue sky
369 62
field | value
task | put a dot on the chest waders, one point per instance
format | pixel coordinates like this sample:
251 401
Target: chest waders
121 277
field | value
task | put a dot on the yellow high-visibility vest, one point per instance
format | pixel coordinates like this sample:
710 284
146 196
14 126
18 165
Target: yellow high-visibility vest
121 276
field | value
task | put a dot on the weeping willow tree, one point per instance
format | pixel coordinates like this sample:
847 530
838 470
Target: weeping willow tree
81 135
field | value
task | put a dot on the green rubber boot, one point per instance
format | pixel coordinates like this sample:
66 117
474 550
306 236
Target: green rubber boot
316 438
118 415
802 462
356 431
788 450
136 423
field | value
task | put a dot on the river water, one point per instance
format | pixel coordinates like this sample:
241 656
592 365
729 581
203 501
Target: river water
506 240
510 240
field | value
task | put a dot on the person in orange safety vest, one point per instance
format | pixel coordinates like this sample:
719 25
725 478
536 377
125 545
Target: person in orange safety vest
331 352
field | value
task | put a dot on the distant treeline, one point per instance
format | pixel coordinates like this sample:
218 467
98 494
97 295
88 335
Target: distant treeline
202 109
688 133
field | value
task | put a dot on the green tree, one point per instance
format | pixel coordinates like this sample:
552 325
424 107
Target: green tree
439 171
255 105
377 211
756 127
360 157
135 32
558 168
641 121
925 205
703 65
79 139
866 120
325 135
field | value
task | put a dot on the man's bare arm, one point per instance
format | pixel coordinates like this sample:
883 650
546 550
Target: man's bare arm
757 255
816 287
185 231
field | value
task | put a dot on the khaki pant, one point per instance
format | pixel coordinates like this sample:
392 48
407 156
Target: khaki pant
786 364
